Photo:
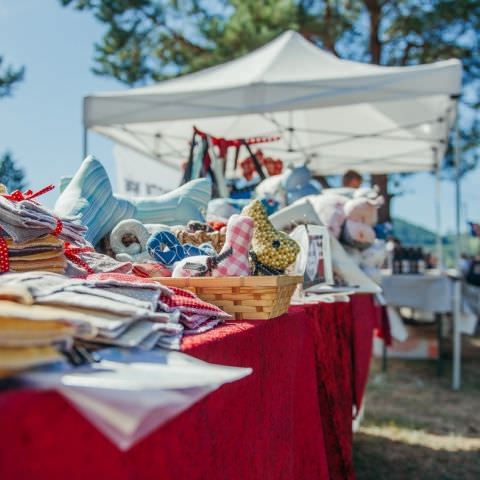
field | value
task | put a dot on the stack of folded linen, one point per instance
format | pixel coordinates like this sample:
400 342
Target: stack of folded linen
45 253
33 335
85 261
25 220
32 238
121 310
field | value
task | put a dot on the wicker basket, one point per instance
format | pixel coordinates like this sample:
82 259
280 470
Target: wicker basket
245 298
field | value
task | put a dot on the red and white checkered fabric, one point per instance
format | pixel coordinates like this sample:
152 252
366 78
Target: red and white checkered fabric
238 238
171 298
190 304
127 280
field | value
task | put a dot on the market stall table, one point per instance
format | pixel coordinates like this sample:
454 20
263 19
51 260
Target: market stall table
291 419
436 292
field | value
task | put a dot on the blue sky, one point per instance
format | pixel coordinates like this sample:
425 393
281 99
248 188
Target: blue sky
41 124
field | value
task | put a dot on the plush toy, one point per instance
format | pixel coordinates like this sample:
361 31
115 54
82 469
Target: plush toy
89 197
137 237
293 184
238 239
330 211
363 210
357 234
271 187
362 215
298 183
350 219
185 203
272 251
274 166
216 238
248 168
232 261
164 248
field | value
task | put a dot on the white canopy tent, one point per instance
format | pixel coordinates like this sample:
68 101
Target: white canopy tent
337 114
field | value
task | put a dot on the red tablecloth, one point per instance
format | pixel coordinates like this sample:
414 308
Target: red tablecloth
291 419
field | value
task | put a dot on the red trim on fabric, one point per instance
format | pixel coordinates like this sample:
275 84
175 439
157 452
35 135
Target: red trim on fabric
58 229
18 196
4 261
72 253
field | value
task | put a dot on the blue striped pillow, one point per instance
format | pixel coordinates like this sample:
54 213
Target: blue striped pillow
89 197
178 207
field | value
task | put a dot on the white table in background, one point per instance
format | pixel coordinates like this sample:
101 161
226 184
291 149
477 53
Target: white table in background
436 292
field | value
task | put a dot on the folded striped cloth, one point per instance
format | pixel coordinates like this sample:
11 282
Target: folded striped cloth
45 253
32 335
16 359
26 220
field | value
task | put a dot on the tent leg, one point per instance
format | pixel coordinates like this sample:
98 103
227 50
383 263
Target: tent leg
457 297
85 142
438 217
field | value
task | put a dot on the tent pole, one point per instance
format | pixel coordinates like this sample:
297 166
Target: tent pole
85 142
457 297
85 129
258 167
438 209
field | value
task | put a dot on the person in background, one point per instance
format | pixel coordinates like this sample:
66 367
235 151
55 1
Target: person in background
352 179
431 261
464 264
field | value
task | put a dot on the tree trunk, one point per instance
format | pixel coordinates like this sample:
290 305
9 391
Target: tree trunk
375 12
374 8
382 182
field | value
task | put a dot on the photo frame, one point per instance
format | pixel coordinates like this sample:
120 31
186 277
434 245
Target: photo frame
314 261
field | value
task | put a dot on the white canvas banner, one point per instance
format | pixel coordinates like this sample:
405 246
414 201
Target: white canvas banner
141 176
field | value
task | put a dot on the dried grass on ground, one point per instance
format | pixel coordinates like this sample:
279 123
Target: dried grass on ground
415 427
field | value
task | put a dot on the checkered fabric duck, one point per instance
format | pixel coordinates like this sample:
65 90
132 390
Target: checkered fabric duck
233 257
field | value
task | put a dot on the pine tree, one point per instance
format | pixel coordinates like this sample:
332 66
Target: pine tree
9 76
11 176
